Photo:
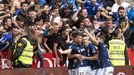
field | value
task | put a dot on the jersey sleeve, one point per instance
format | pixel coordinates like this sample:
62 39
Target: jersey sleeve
93 49
74 50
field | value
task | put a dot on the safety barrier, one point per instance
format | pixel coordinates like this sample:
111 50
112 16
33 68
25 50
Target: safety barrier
39 71
50 61
120 70
124 70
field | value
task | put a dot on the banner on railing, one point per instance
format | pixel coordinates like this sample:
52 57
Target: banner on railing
35 71
49 61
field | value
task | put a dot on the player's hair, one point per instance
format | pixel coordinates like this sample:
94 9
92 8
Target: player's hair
24 3
121 8
76 33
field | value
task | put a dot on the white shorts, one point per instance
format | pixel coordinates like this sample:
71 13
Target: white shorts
73 71
84 70
107 71
96 72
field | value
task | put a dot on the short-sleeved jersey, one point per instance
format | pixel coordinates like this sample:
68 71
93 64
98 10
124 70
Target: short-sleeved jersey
91 51
104 55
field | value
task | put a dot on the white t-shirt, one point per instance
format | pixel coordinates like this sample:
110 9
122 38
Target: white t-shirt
116 6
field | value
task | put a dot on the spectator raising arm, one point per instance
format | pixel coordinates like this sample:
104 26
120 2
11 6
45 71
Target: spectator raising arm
74 17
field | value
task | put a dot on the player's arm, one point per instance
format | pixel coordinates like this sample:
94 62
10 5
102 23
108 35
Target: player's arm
93 39
19 49
68 51
95 57
71 56
94 53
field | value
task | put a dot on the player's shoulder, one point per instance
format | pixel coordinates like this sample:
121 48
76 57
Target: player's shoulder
90 45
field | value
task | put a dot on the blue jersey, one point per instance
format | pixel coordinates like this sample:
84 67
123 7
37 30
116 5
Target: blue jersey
73 3
78 49
103 55
91 51
42 2
45 32
20 12
7 37
5 41
92 9
116 18
131 17
131 14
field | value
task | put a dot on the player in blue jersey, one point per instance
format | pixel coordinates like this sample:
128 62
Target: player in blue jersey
79 64
91 52
75 51
107 68
95 64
